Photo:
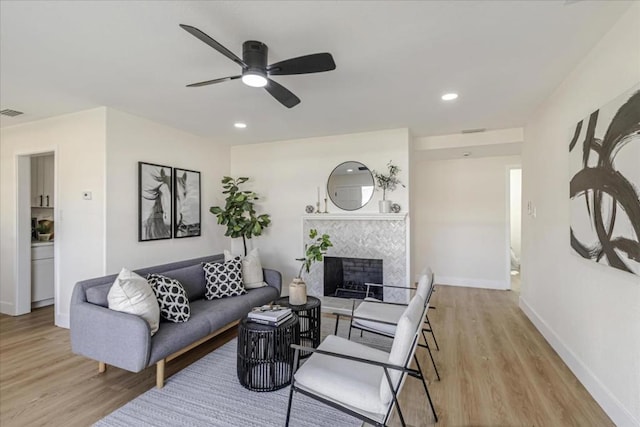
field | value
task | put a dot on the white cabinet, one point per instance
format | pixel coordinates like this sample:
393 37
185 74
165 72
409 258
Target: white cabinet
42 269
42 181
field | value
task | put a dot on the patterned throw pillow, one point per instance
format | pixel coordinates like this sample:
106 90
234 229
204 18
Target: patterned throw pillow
224 279
172 298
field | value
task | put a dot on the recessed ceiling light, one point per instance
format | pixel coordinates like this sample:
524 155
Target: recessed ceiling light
240 125
349 170
449 96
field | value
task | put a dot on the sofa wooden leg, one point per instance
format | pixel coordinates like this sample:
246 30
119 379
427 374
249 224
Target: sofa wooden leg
160 373
102 367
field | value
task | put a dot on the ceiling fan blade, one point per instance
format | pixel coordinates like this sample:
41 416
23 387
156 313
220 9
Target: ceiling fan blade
315 63
214 44
282 94
210 82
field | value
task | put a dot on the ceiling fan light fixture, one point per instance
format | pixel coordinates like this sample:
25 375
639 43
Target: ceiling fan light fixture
254 79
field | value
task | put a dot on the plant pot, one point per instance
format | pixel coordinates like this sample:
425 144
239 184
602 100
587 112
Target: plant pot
297 292
384 206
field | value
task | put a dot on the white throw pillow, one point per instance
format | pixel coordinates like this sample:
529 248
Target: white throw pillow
252 275
131 293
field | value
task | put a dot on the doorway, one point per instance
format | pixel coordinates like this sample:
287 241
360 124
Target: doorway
36 283
515 222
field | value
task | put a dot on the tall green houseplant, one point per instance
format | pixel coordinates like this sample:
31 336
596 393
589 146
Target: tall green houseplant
239 213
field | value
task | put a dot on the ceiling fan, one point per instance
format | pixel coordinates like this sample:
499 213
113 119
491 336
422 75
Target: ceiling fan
256 72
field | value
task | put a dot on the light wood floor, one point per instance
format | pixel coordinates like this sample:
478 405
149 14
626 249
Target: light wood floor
496 370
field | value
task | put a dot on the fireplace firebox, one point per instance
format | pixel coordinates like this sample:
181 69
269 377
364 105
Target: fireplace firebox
347 277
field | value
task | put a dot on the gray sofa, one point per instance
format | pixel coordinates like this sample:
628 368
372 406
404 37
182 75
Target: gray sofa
124 340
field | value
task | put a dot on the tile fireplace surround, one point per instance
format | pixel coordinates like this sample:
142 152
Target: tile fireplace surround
373 235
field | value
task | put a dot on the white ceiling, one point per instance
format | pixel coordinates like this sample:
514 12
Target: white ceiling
394 61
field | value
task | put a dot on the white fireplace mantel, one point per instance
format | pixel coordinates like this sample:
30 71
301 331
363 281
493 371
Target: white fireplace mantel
356 217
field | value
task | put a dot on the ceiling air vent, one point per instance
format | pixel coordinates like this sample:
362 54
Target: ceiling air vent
474 130
10 113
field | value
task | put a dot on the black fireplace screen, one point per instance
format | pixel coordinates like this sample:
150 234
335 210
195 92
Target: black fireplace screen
346 277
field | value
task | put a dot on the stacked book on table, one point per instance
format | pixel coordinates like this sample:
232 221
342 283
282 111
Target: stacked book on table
270 317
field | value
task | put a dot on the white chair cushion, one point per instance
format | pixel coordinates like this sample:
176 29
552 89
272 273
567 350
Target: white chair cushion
378 311
402 344
423 286
354 384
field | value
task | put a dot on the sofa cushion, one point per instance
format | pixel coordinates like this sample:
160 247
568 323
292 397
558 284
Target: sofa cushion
261 296
191 278
223 279
171 296
132 294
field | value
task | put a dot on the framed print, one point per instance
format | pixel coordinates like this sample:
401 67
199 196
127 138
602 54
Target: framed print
186 203
604 197
154 202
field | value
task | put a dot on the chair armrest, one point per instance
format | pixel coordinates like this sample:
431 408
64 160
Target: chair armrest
385 302
367 319
354 359
109 336
411 288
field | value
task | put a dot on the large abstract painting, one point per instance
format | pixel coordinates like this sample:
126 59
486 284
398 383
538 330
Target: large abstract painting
186 203
154 202
604 155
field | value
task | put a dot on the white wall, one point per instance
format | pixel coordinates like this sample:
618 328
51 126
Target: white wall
286 175
589 313
131 139
79 143
459 219
515 209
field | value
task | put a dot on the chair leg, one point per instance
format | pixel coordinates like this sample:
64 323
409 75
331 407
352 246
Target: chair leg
102 367
424 384
433 362
395 399
335 331
289 406
432 334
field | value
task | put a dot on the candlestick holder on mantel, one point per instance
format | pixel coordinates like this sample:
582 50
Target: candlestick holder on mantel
325 206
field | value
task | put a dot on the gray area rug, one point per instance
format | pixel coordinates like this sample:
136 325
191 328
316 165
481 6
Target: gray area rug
207 393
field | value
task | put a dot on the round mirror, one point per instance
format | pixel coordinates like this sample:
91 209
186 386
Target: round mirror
350 186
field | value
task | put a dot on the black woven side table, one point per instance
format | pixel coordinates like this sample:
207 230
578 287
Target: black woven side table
265 356
309 316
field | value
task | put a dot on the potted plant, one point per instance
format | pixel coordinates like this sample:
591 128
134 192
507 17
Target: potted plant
313 251
239 213
387 182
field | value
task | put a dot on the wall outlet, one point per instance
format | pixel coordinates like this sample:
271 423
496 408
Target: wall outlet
86 195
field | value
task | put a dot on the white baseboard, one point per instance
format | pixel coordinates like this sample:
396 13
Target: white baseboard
609 403
62 320
472 283
7 308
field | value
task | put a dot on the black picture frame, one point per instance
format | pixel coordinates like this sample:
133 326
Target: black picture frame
154 182
187 203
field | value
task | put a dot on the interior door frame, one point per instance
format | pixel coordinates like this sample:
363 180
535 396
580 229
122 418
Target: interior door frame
509 168
22 282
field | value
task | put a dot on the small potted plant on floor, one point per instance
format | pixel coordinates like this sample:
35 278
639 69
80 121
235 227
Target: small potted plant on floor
313 252
387 182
